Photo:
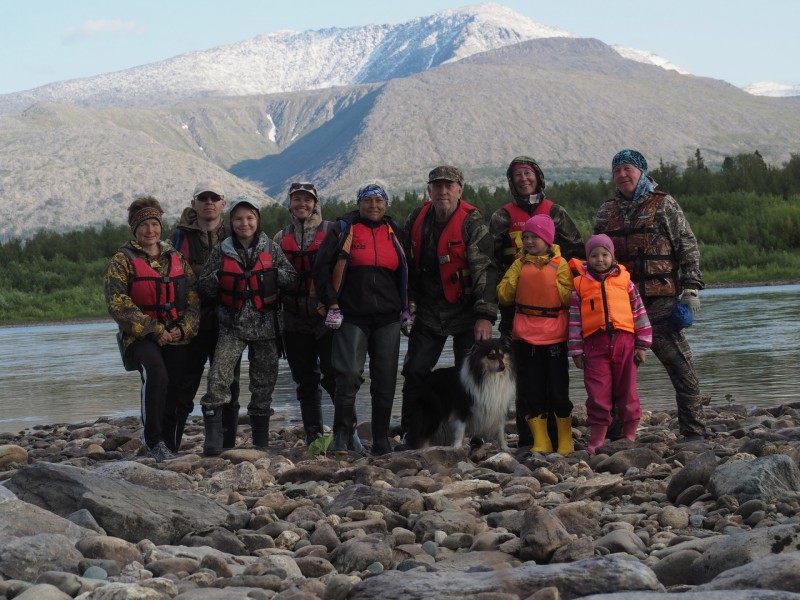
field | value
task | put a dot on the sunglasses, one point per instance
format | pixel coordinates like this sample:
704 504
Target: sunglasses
207 197
306 187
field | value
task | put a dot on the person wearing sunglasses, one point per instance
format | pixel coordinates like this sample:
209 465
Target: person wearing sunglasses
201 227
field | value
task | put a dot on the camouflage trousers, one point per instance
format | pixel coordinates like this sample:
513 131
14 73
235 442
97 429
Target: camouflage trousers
263 371
673 351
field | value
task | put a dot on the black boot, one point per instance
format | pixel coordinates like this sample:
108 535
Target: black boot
311 411
212 419
180 425
230 424
260 427
343 428
381 416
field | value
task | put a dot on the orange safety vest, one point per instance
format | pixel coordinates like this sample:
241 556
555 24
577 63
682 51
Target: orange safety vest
161 297
537 290
519 216
645 251
451 251
258 283
605 304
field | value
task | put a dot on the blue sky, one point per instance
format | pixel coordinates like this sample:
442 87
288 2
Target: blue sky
740 41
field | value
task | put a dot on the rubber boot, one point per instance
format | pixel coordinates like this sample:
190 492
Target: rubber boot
565 444
541 441
629 429
597 437
212 420
381 417
230 424
343 428
180 425
260 426
311 412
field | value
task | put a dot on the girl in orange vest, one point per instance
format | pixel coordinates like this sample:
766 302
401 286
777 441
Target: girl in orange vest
609 334
539 286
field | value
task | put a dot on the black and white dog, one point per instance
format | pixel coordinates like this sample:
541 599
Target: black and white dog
473 399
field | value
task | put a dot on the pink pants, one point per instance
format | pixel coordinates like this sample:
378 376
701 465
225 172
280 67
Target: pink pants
610 378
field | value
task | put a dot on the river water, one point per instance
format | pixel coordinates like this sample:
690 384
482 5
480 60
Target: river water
745 343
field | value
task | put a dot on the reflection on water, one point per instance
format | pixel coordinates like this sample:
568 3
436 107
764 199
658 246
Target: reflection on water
744 342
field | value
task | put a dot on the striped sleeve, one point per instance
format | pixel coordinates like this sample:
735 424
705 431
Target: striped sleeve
575 340
641 322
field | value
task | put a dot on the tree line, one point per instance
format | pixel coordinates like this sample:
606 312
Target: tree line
746 216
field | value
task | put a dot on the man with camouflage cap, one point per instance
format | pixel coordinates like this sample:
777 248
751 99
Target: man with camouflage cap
526 183
452 280
654 241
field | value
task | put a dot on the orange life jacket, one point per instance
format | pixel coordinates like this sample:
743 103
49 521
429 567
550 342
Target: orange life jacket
537 290
258 283
646 252
451 251
519 216
162 297
605 304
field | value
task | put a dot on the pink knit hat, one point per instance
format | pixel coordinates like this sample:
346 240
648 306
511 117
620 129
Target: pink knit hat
597 241
541 226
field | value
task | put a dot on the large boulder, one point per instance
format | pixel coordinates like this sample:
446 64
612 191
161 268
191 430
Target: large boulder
772 478
125 510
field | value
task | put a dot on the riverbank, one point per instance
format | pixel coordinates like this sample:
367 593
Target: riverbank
84 511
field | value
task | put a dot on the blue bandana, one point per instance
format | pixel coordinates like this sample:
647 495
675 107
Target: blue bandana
632 157
372 190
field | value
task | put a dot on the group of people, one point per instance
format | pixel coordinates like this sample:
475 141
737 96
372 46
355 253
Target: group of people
329 295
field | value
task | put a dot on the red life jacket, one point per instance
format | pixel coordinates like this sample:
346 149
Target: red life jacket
519 216
161 297
451 251
303 260
362 246
258 283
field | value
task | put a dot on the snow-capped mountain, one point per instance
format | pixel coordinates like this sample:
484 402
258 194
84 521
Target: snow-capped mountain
648 58
287 61
773 89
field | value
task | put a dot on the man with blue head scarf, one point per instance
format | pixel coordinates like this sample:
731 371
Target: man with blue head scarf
654 241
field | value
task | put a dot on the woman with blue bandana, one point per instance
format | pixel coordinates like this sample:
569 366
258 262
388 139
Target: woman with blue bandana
361 276
654 241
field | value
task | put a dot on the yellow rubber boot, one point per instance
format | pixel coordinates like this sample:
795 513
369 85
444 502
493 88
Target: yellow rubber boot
541 441
565 445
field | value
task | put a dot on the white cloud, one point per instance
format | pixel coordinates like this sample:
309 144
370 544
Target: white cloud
100 28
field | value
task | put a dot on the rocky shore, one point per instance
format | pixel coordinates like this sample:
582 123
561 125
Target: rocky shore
84 514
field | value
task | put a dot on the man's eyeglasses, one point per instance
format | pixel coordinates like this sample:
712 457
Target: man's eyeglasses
306 187
207 197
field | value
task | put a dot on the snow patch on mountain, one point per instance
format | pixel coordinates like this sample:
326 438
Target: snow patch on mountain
772 89
648 58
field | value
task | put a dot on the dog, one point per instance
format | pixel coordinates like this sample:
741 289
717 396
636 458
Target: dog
472 399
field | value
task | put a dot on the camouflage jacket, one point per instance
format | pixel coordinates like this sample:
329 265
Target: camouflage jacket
568 237
672 223
249 323
425 286
133 323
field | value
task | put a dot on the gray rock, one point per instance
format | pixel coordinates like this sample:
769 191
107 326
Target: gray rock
122 509
780 572
622 540
573 580
672 569
22 519
743 548
216 537
25 557
43 591
623 460
105 547
358 553
449 521
770 478
579 518
134 472
697 472
360 496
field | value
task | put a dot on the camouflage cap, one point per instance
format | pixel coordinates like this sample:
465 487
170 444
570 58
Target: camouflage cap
448 173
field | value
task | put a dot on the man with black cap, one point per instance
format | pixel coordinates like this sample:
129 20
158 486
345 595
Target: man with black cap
654 241
200 229
452 280
526 183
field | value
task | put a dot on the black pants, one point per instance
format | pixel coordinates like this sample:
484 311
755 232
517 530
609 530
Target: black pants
309 360
424 350
161 369
542 379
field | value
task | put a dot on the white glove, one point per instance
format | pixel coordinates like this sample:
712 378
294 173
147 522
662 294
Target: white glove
691 298
334 318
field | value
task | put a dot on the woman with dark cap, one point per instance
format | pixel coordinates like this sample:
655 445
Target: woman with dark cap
361 278
149 290
306 340
526 183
